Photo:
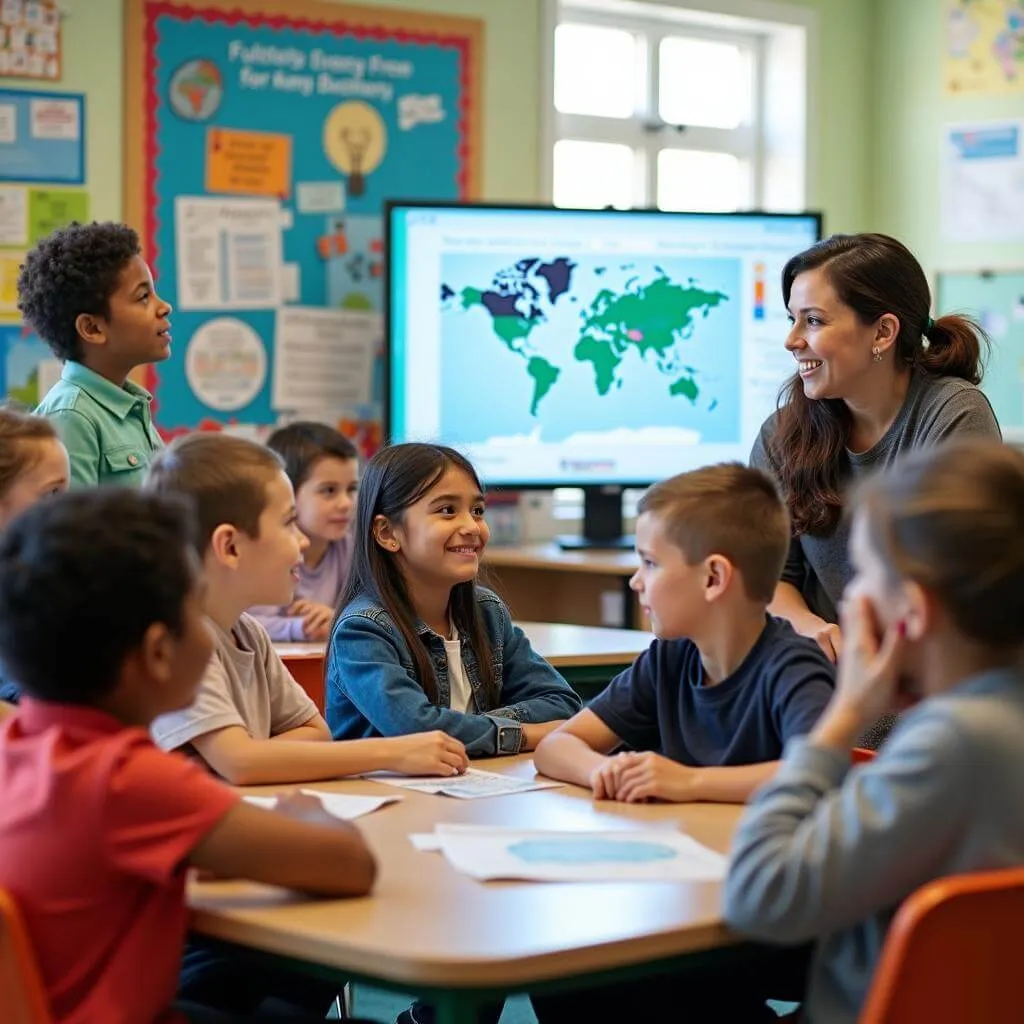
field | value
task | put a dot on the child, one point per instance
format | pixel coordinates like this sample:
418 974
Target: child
418 645
324 470
33 464
251 722
112 574
935 611
89 294
709 706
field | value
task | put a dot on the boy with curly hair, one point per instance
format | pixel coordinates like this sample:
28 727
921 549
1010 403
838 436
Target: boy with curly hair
89 294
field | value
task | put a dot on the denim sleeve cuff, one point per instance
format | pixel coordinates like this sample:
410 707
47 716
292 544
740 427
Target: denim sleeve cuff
508 737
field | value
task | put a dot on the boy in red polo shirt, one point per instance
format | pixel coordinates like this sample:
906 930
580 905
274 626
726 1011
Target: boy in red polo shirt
101 625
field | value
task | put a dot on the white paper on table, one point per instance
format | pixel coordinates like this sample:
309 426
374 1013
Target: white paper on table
229 252
474 784
426 842
323 358
345 806
652 855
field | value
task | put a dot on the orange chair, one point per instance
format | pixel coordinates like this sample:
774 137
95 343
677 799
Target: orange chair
862 754
951 955
22 996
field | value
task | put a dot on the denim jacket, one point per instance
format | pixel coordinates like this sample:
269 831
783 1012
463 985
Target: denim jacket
372 689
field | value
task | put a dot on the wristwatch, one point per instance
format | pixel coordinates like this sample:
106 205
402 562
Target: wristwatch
510 738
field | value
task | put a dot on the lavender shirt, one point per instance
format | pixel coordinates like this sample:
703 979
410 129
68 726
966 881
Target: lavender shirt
322 585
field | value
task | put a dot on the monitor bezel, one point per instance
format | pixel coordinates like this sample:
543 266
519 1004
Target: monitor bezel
390 205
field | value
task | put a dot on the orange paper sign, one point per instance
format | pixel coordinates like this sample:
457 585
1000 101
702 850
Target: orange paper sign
248 163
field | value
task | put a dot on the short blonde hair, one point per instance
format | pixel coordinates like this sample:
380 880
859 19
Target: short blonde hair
20 434
727 509
226 478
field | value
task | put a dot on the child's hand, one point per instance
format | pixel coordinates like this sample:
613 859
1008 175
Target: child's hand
316 621
428 753
606 778
868 677
304 807
650 776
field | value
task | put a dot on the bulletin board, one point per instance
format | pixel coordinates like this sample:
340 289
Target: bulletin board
260 147
995 298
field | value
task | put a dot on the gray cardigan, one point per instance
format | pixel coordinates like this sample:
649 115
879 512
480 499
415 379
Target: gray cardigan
828 852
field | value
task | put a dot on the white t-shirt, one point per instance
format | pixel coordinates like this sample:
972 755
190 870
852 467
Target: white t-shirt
461 692
245 684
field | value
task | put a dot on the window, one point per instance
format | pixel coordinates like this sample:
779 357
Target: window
651 105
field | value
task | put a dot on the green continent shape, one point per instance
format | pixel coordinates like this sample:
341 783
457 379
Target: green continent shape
510 329
544 375
604 358
657 311
686 386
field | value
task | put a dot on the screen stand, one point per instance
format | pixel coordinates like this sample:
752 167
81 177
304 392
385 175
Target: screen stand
602 522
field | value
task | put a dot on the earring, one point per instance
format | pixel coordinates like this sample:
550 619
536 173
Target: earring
876 355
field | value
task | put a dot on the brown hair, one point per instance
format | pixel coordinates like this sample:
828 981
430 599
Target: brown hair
730 510
873 275
395 478
20 435
949 518
302 445
225 477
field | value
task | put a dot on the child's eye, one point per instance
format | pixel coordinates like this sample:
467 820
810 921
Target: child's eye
479 510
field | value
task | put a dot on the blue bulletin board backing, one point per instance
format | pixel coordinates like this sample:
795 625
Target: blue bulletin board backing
42 137
309 112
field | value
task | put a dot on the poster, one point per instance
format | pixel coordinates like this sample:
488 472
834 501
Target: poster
30 43
53 208
982 189
324 359
13 216
984 47
996 300
270 141
229 253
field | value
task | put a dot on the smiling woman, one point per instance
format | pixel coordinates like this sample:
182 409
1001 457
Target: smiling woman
875 377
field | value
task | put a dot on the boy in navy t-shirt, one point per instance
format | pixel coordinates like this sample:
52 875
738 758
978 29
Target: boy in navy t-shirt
708 708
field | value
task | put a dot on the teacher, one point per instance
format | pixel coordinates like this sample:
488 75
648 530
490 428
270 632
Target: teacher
875 377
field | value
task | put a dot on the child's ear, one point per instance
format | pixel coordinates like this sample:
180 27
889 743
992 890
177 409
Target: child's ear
91 329
919 610
718 573
384 534
224 545
157 653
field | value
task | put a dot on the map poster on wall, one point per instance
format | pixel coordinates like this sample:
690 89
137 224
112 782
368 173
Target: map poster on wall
272 137
984 51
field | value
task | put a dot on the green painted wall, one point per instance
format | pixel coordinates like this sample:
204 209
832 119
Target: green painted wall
910 108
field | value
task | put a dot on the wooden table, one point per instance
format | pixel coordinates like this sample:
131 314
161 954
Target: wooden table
587 656
543 583
432 931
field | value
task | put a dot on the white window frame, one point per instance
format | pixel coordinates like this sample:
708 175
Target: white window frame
783 39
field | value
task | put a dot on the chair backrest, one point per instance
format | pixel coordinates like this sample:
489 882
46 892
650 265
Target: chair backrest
22 996
951 955
859 754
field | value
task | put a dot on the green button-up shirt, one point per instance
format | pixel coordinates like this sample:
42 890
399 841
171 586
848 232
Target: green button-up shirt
107 430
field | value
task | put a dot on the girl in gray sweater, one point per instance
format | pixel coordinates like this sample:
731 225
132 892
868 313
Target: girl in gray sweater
934 613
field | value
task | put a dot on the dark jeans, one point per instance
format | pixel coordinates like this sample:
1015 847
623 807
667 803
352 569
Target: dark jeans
735 994
219 978
205 1015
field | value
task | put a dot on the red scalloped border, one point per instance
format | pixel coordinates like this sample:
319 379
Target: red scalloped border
155 10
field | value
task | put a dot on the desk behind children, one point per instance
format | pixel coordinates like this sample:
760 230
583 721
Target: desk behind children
497 937
543 583
587 656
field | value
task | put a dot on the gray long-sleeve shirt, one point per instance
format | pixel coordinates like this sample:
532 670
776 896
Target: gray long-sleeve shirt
828 852
934 410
